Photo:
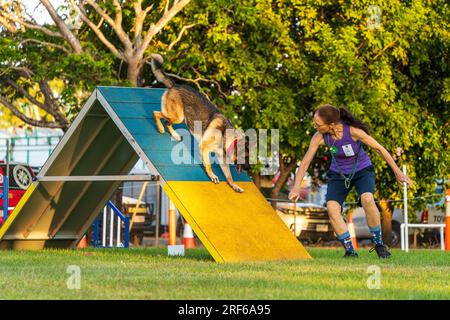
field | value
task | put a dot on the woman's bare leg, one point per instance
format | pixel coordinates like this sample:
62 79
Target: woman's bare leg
336 219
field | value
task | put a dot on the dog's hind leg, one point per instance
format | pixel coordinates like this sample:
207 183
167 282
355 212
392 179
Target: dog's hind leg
158 116
221 155
174 134
171 112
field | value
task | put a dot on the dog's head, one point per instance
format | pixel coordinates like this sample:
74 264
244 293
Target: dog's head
238 152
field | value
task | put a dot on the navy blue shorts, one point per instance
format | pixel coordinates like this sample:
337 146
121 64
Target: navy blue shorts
364 181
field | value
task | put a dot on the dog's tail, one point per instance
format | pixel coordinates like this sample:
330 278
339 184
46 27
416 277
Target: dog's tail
157 68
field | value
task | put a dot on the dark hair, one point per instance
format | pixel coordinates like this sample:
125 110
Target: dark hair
331 114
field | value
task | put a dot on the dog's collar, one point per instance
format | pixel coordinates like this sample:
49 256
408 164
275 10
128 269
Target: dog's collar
232 146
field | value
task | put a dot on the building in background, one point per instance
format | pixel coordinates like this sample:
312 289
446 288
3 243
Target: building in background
32 148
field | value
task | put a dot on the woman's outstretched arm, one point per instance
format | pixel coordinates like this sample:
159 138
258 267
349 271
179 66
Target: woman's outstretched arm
316 141
371 142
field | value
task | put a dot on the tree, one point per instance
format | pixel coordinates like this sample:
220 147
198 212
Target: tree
271 63
80 48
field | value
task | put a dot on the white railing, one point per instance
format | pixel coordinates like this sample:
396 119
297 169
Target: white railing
404 227
110 221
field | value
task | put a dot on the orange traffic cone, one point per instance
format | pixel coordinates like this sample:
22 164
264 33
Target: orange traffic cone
188 236
83 243
351 229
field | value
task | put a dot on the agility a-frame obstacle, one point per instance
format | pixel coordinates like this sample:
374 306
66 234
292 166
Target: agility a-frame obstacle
113 130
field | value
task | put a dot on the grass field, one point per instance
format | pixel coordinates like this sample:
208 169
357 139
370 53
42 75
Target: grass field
150 274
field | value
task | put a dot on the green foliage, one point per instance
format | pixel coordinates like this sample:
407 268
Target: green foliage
79 73
276 61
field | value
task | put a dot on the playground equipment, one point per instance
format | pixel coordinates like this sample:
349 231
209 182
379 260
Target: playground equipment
4 180
404 227
113 130
4 195
114 211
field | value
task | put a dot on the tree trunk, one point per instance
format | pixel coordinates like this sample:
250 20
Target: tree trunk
285 170
133 72
118 199
256 177
386 222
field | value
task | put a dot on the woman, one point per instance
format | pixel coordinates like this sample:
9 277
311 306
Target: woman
350 166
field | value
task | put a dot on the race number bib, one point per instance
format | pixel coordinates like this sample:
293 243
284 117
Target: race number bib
348 150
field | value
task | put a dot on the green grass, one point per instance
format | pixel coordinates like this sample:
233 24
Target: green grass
150 274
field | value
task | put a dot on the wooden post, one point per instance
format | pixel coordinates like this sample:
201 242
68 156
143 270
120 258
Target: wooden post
141 194
386 222
172 224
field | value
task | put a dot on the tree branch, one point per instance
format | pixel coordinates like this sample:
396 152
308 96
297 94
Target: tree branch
22 71
211 81
139 21
27 95
197 83
166 9
147 10
155 28
9 17
390 44
48 44
48 95
7 24
30 121
116 24
181 34
50 100
64 29
96 30
99 24
49 105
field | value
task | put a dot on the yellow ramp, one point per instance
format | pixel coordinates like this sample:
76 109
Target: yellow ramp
234 226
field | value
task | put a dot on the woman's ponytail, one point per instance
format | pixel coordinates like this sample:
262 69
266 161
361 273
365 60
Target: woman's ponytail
348 118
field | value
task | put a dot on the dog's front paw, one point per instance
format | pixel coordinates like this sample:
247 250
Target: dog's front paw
214 178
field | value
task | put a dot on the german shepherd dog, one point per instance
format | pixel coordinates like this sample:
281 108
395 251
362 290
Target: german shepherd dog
183 103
